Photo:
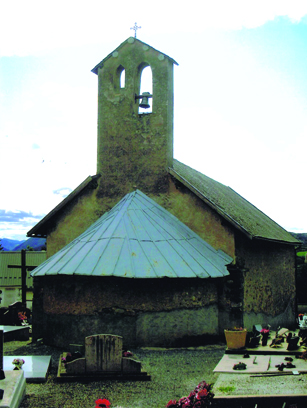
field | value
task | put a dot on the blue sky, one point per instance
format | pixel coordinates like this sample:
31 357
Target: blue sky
240 94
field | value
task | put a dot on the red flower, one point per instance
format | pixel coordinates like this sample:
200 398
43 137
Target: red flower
171 404
202 394
102 403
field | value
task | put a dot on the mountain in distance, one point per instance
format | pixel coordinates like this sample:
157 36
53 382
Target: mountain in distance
302 236
38 244
9 244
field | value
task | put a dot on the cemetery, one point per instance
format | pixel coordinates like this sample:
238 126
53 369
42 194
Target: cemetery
150 267
268 370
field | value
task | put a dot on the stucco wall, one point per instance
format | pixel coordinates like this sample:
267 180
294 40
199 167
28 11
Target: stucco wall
145 312
189 209
269 283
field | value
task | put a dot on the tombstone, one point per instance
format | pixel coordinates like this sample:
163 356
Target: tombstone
103 359
103 352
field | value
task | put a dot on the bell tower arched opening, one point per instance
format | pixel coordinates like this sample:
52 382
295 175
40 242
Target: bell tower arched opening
145 78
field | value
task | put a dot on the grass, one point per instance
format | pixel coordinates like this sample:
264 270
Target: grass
174 373
230 388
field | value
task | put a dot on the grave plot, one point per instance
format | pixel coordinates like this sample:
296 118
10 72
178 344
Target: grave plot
103 360
262 364
270 375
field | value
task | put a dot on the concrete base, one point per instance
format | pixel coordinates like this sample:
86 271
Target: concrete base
14 386
232 390
18 333
35 368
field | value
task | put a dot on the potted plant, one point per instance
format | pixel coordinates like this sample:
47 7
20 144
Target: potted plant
235 338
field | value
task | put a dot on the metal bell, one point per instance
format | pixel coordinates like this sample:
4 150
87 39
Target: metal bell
144 102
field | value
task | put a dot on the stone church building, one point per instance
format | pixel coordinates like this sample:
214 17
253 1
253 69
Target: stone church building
149 248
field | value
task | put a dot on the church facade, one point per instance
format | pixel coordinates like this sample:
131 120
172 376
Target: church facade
135 152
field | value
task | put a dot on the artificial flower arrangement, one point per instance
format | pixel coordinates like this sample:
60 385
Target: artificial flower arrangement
236 329
22 317
200 397
18 363
102 403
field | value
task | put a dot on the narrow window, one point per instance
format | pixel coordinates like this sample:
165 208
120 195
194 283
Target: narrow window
146 86
122 79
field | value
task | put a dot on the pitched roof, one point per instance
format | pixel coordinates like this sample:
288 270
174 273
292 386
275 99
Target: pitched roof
137 239
129 40
230 205
39 230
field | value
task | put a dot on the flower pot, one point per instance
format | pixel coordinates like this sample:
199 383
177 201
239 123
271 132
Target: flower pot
264 340
235 339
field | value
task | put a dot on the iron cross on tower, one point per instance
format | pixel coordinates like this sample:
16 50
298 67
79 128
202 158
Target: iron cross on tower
135 28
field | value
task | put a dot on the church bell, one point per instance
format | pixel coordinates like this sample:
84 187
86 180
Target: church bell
144 102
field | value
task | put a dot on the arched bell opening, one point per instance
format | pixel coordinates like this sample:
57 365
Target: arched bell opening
145 96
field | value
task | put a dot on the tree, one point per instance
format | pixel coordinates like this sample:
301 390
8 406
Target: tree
1 247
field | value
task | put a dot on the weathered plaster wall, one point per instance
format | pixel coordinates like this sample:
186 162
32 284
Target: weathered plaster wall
189 209
134 150
145 312
269 282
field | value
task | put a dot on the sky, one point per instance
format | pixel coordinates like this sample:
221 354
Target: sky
240 97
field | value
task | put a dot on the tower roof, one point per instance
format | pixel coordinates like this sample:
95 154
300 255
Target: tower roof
131 40
137 239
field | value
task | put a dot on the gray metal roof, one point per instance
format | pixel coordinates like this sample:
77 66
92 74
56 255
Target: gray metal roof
230 205
137 239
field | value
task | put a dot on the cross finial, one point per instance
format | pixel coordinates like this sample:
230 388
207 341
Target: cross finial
135 28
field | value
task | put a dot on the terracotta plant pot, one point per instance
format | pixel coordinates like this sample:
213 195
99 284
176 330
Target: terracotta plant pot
235 339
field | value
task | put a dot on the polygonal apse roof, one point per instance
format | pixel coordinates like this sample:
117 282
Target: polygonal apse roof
137 239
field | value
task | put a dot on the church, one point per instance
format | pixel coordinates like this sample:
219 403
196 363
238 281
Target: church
149 248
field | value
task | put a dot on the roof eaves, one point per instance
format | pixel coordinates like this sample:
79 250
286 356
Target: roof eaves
34 232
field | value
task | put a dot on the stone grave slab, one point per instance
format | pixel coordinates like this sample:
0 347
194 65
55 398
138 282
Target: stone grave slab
233 390
265 364
14 386
18 333
35 368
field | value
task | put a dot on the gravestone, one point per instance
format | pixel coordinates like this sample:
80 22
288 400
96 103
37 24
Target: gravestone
103 359
103 352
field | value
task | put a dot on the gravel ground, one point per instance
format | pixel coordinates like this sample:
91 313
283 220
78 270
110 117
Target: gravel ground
174 373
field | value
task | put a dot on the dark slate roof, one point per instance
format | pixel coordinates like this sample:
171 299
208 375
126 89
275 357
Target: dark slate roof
137 239
39 230
230 205
129 40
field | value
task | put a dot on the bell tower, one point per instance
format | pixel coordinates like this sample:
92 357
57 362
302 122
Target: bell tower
134 148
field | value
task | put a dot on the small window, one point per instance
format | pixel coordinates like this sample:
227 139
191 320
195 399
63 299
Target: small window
146 86
122 79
